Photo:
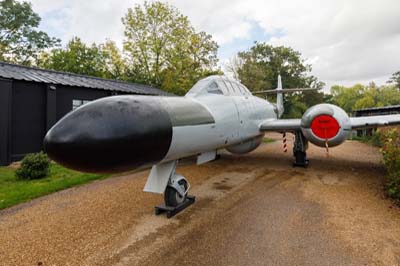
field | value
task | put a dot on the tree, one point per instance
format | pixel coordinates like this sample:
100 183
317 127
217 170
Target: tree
114 63
346 98
233 66
262 64
104 60
360 97
20 40
294 106
163 48
76 57
388 95
259 67
395 79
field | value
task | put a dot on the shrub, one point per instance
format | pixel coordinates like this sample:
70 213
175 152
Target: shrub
34 166
390 141
374 139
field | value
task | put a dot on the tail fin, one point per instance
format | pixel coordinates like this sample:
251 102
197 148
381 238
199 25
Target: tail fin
279 98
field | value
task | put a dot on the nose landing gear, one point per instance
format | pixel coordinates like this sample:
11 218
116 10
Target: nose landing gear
175 187
176 191
176 197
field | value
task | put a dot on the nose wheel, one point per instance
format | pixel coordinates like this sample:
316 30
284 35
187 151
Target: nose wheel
176 197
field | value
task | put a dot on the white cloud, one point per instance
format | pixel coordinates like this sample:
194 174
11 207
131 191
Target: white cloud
93 21
346 41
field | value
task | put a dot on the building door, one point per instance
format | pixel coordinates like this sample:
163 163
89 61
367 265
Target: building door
28 124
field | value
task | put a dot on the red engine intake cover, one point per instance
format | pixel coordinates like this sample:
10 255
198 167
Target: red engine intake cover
325 126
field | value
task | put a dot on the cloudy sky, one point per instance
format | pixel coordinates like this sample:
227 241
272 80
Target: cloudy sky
346 41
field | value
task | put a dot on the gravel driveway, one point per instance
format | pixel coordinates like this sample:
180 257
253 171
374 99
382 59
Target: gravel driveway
251 210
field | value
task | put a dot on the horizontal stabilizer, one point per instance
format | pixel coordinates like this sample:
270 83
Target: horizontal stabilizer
284 91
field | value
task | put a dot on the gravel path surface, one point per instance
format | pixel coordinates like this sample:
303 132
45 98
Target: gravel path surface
251 210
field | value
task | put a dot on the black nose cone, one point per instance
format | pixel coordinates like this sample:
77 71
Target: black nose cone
110 135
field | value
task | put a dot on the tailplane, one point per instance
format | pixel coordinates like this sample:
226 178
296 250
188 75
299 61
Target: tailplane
279 94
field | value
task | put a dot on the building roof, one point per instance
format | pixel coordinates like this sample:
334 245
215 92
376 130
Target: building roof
383 108
17 72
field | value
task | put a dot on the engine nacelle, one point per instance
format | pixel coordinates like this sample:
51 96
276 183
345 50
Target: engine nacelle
247 146
325 123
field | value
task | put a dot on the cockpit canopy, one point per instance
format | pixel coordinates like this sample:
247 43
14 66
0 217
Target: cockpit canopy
218 85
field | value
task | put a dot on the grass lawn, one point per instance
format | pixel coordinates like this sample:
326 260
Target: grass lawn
268 140
14 191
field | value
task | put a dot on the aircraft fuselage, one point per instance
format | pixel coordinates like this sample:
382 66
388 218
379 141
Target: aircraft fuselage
236 120
121 133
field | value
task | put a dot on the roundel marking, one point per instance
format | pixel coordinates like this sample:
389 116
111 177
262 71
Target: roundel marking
325 126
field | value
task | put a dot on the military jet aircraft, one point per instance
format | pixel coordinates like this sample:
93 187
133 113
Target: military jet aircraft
122 133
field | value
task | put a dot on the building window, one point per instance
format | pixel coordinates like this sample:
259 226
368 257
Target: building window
77 103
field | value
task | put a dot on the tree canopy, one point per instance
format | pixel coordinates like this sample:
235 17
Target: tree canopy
258 68
161 48
20 40
104 60
261 64
395 79
360 96
164 50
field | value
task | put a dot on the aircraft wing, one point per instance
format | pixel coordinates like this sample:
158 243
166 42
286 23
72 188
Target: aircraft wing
281 125
355 123
374 121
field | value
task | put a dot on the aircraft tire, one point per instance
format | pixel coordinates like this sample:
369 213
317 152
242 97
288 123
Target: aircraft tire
172 197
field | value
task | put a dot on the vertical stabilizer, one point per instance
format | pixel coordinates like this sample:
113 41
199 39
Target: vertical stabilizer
279 98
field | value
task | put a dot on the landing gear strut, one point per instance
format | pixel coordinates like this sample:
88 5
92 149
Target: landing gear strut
299 150
176 197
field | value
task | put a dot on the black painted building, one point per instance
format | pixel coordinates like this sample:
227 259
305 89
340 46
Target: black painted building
384 110
32 100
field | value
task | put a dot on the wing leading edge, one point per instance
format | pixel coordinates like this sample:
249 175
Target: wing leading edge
281 125
374 121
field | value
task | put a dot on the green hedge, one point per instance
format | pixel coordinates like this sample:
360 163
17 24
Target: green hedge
390 141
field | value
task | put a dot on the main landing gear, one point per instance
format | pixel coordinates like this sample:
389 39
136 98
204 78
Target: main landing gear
299 150
176 197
